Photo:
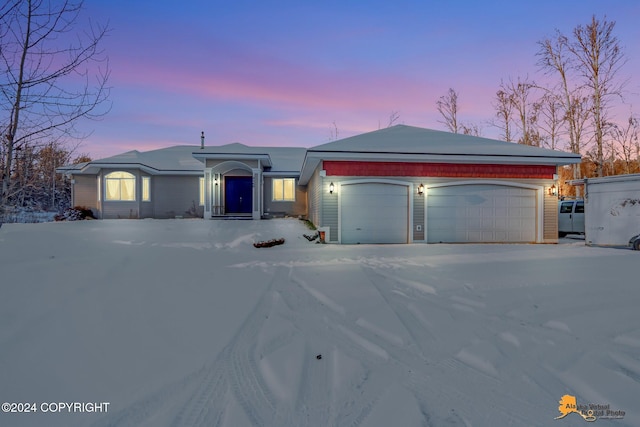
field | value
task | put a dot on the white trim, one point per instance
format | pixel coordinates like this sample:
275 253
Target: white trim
285 174
314 158
147 180
91 168
201 191
263 159
228 166
539 199
283 179
133 177
561 158
408 184
256 203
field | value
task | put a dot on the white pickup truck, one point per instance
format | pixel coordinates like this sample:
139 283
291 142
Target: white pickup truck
570 217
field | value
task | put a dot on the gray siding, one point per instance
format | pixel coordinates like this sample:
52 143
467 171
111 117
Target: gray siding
85 193
314 198
120 210
175 195
171 196
418 214
146 208
329 211
276 208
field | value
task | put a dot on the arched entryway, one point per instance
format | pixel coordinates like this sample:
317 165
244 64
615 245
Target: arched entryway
232 189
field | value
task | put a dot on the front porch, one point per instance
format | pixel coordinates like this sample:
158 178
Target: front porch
233 189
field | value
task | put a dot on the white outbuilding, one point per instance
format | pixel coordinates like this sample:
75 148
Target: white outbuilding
611 209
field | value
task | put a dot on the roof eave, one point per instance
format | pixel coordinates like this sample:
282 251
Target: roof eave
264 159
447 158
313 158
94 168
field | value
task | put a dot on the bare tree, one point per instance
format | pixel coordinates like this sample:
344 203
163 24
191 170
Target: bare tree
554 58
393 118
504 113
598 58
52 73
334 131
448 107
627 142
523 109
471 129
551 120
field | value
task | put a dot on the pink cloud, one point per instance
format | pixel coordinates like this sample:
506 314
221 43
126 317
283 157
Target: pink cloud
264 80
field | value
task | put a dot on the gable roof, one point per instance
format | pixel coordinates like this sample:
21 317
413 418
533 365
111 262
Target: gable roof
187 159
403 139
413 144
171 160
397 143
278 159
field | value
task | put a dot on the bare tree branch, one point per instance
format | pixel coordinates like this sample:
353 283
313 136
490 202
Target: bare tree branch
448 108
53 73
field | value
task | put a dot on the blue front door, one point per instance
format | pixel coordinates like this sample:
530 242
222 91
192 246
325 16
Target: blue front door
238 190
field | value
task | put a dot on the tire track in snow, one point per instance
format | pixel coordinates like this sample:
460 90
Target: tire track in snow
242 370
200 409
137 413
404 315
418 381
234 370
322 321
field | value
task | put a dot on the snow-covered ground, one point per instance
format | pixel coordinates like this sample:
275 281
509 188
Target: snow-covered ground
185 323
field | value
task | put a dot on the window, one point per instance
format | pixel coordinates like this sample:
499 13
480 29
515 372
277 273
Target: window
201 191
580 207
566 207
120 186
146 189
284 190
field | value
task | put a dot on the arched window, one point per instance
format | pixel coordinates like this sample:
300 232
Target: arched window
120 186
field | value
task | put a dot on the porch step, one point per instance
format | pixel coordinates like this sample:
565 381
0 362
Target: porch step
234 217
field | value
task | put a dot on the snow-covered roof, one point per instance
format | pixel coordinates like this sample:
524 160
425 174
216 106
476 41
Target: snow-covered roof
396 143
281 159
403 139
606 179
177 159
184 159
414 144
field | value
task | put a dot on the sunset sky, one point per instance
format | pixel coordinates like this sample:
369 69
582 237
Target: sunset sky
283 72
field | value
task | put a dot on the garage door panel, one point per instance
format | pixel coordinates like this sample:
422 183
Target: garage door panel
374 213
481 213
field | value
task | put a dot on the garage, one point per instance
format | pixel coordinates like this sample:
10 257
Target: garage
374 213
481 213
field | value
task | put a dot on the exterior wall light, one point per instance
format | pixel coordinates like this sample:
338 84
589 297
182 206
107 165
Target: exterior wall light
553 191
331 188
421 189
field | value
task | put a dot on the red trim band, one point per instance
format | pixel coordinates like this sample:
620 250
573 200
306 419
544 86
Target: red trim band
451 170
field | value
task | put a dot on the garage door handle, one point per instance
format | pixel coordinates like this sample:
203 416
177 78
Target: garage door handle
358 229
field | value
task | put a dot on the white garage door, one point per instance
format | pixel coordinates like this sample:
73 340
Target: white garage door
481 213
374 213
